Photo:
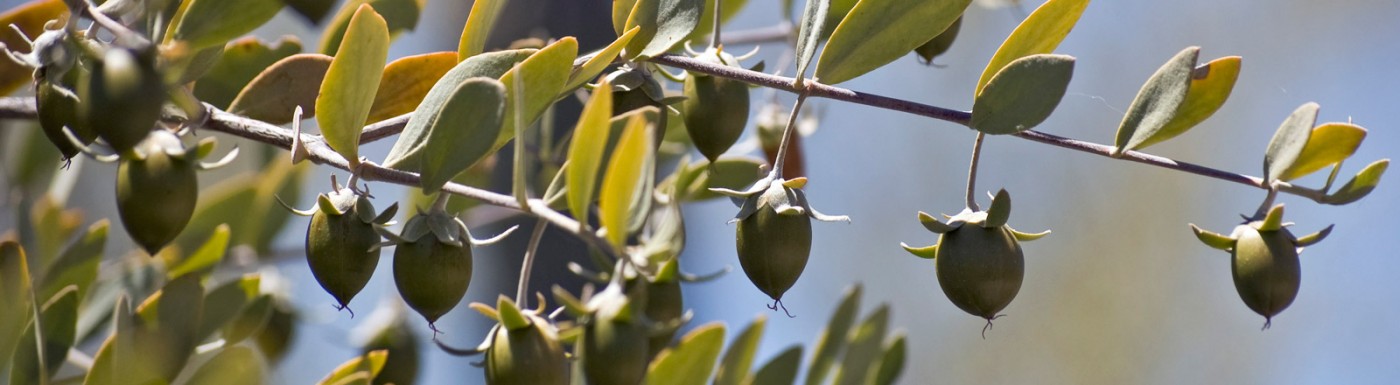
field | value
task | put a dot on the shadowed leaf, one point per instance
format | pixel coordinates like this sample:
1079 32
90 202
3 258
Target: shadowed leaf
590 139
207 23
734 368
780 370
1023 94
1288 142
833 337
479 24
275 93
664 23
463 131
876 33
691 360
242 60
1158 101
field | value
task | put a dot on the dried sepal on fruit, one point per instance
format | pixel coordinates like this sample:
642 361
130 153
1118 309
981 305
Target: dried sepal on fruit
342 241
433 262
978 257
1264 260
156 186
715 109
774 236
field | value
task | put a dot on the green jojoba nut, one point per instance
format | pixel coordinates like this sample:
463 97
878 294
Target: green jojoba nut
341 244
664 304
528 355
773 249
613 349
156 192
980 269
715 109
432 273
1266 269
122 97
58 108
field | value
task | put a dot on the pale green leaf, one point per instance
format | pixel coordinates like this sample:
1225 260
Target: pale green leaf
479 24
691 360
207 23
234 365
599 62
621 10
1023 94
876 33
590 139
206 257
809 32
623 177
781 370
1288 142
734 367
1158 101
1211 84
405 153
664 23
351 81
1040 33
399 16
892 364
242 60
1329 144
833 337
274 94
14 297
1360 185
463 130
78 264
370 363
59 322
406 81
543 75
863 348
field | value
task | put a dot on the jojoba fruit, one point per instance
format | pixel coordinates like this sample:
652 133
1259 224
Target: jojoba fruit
122 97
980 269
340 244
715 109
58 108
614 345
774 248
1266 269
156 192
433 268
528 355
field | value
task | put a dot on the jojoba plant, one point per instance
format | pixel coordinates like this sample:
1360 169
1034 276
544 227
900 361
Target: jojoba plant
1264 260
342 241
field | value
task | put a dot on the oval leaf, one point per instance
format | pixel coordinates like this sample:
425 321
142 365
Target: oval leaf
543 75
406 81
590 138
233 365
623 178
1023 95
876 33
351 81
1288 142
781 370
1328 144
243 60
208 23
78 264
274 95
1211 84
59 322
462 133
1359 185
833 337
734 368
1040 33
1158 101
691 360
664 23
479 23
405 153
208 255
399 16
863 350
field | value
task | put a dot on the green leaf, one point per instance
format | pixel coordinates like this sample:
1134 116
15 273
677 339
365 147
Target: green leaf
206 257
590 139
242 60
29 17
892 364
599 61
664 24
691 360
405 153
837 12
734 367
406 81
781 370
208 23
1211 84
225 202
266 218
543 74
59 322
809 32
78 264
479 24
251 320
226 302
168 322
833 337
706 24
1158 101
15 297
274 94
876 33
233 365
1288 142
313 10
351 81
623 177
1023 94
621 9
863 348
1040 33
1360 185
370 363
939 44
461 133
399 16
1329 144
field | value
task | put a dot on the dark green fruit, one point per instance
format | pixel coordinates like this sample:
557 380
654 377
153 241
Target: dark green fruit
156 193
614 345
526 355
401 366
1266 269
939 44
433 264
715 109
664 304
773 249
122 97
58 108
341 245
980 269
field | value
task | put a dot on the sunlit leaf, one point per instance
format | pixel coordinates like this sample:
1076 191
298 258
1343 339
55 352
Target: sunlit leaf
734 368
206 257
30 18
351 81
78 263
1328 145
14 297
833 337
590 138
1158 101
399 16
370 363
463 131
242 60
1360 185
1211 84
480 22
876 33
234 365
406 81
58 323
1040 33
543 74
274 94
599 62
1288 142
781 370
664 23
623 178
1023 94
809 32
691 360
206 23
863 350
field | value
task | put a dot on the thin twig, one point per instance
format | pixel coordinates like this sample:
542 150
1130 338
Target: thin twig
972 172
523 287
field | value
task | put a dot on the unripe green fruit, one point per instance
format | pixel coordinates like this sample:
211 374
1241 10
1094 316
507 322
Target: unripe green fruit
340 248
156 195
980 269
122 97
773 249
715 112
1266 269
613 352
624 101
432 276
58 109
530 355
664 304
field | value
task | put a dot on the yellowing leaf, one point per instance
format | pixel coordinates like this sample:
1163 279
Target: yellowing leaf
207 23
1211 84
1040 33
590 138
208 255
479 24
462 133
274 94
351 81
876 33
30 18
1288 142
691 360
599 62
406 81
1157 101
1329 144
623 177
242 60
1023 94
1360 185
543 75
399 16
369 363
